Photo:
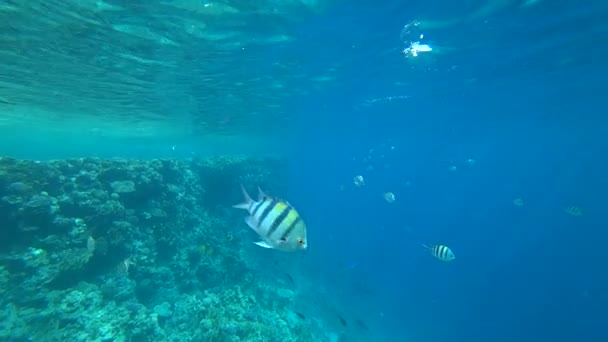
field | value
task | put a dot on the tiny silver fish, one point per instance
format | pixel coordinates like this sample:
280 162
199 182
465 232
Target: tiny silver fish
276 222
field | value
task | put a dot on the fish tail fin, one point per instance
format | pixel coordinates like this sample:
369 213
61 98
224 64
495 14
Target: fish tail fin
425 246
248 201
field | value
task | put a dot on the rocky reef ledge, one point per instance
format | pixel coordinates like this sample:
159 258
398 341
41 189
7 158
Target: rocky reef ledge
136 250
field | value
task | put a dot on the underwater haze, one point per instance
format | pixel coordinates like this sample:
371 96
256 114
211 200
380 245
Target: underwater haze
410 170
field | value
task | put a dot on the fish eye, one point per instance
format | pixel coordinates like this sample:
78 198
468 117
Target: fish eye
301 241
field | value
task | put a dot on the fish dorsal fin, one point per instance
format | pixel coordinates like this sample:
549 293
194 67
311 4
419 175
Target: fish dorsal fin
261 195
248 202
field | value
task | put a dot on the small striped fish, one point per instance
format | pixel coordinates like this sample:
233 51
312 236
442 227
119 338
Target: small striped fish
276 222
441 252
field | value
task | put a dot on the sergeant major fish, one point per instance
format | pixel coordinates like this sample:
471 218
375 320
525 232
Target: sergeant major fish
441 252
276 222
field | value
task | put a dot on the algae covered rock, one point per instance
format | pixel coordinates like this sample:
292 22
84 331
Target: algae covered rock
4 284
163 310
135 250
123 187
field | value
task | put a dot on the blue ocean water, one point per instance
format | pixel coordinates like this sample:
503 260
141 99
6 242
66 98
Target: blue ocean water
521 94
490 143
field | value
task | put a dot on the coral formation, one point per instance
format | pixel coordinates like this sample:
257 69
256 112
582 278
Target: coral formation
128 250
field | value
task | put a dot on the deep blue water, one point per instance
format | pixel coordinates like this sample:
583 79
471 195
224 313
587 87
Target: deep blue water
534 120
511 103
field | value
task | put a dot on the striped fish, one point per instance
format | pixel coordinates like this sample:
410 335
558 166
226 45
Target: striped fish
276 222
441 252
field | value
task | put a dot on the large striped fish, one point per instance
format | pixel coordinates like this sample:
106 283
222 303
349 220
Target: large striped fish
276 222
441 252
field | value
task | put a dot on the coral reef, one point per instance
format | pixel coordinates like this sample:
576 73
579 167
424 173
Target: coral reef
134 250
